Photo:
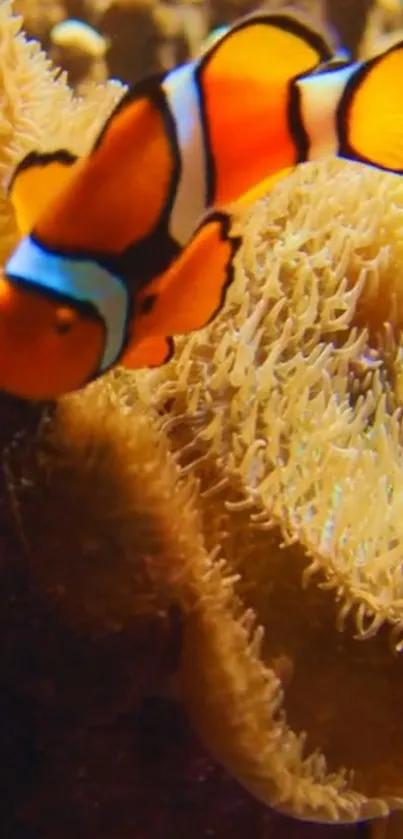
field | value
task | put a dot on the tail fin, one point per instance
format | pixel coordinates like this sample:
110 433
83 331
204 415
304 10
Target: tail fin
370 112
245 91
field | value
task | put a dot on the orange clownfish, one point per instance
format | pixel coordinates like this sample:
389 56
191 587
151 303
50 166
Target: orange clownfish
131 245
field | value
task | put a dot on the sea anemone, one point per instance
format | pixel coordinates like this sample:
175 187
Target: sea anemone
288 410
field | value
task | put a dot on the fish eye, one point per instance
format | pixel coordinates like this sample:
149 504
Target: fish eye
64 320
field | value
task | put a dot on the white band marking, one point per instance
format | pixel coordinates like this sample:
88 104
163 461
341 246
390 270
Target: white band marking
189 205
78 279
320 97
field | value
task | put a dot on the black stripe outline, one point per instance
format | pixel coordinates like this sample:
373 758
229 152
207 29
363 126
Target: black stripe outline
224 221
296 125
147 257
35 159
235 243
83 307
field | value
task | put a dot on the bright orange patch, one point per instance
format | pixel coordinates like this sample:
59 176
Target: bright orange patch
38 358
152 352
34 188
375 128
117 194
192 290
246 89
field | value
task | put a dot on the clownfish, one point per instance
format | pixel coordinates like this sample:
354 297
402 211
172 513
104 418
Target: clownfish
131 245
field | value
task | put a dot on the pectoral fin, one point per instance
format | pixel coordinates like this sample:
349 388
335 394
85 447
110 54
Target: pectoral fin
151 352
192 291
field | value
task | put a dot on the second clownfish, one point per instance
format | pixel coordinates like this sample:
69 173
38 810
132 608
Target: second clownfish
131 245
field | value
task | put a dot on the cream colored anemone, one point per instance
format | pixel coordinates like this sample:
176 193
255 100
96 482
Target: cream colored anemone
288 407
39 111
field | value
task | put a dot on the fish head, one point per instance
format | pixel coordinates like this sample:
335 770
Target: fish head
50 344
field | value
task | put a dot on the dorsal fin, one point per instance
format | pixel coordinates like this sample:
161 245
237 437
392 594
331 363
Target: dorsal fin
35 182
250 71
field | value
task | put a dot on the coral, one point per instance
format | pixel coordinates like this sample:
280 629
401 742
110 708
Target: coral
142 36
75 33
75 462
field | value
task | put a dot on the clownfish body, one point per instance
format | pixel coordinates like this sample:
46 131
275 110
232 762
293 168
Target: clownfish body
131 245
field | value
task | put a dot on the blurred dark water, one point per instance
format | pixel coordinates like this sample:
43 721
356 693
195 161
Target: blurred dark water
144 777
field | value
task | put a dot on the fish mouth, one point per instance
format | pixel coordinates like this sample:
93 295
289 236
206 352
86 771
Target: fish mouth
38 360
